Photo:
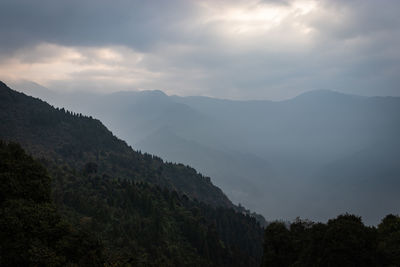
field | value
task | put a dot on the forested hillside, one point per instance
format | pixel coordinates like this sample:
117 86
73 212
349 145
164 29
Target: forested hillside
143 224
138 210
32 231
74 139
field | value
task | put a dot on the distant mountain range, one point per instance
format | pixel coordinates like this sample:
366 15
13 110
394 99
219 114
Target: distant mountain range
316 155
134 208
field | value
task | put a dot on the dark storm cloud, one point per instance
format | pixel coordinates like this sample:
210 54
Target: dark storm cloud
140 24
234 49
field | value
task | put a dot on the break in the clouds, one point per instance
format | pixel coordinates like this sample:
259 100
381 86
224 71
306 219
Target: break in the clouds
232 49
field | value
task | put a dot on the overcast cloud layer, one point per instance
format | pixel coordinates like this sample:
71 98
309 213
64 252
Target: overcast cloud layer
248 49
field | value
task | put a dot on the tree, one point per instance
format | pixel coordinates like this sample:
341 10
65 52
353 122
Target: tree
389 240
278 248
349 243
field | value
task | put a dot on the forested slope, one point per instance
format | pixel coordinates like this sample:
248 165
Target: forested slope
32 231
60 135
136 209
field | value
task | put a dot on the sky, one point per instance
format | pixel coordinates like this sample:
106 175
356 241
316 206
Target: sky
243 49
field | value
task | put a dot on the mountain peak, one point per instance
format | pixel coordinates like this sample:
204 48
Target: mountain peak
321 95
153 92
319 92
145 93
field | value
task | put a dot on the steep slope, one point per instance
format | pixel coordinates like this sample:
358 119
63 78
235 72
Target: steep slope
230 168
103 187
155 123
76 139
288 150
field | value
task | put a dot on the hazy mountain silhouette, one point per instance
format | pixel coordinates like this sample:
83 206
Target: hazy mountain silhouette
279 158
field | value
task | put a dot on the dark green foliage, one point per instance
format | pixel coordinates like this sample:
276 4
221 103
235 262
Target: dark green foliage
347 242
138 224
143 225
389 240
343 241
278 247
32 232
22 177
90 167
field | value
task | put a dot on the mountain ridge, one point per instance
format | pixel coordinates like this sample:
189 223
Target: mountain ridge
54 148
296 139
144 211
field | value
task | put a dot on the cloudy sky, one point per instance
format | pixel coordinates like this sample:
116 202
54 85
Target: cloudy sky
243 49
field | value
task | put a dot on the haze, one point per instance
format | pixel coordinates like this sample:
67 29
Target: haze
292 107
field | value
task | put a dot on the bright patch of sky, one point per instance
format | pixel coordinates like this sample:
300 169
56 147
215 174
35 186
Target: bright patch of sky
230 49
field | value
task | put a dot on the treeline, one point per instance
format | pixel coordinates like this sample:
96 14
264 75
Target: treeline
343 241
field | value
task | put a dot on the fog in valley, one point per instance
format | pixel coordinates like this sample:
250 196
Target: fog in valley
316 155
291 107
200 133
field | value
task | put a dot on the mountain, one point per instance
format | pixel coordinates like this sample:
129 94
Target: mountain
231 167
314 141
143 211
76 139
159 125
366 181
277 158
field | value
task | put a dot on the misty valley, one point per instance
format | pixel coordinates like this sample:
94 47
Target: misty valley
309 181
317 155
212 133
